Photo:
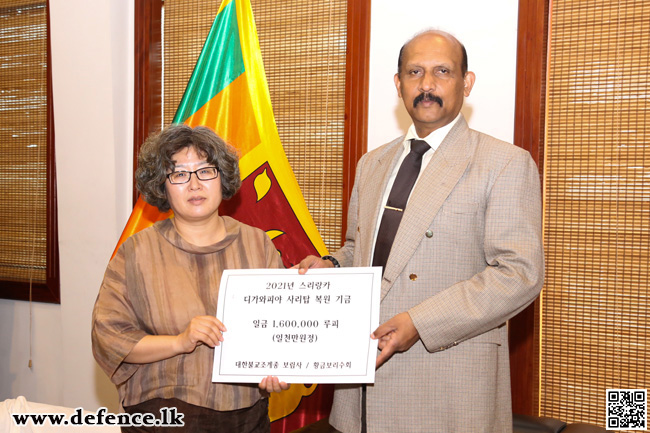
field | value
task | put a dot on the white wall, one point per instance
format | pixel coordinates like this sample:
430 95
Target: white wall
92 51
488 29
92 65
43 382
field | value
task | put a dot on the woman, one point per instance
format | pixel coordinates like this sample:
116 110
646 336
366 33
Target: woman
154 324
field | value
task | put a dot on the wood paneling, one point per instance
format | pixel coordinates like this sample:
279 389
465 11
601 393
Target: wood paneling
529 134
356 95
147 115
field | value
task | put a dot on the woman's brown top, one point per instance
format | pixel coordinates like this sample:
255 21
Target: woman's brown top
156 283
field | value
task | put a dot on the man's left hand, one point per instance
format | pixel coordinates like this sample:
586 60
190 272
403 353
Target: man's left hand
395 335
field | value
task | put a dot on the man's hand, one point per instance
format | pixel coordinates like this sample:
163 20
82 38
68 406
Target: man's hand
310 262
395 335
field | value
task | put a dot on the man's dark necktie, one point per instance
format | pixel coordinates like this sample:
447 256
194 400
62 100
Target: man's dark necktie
406 176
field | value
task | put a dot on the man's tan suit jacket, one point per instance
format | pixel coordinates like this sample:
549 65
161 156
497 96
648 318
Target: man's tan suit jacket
467 257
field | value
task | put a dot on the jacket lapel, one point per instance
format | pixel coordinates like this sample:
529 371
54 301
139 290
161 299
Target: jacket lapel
432 189
375 181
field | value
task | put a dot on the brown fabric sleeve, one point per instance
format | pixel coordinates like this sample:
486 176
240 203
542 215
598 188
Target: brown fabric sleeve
273 258
115 328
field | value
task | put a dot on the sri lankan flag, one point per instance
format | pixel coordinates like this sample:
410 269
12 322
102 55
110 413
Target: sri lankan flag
228 93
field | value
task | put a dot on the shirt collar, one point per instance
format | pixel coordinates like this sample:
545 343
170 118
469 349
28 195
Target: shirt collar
434 139
168 231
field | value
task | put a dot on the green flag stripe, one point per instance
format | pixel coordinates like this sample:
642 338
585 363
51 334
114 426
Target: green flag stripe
220 63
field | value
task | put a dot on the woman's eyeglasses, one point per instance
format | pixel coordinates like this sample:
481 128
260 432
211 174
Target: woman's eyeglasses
205 173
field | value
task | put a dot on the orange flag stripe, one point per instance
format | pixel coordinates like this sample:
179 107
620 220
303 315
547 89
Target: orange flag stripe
142 216
232 116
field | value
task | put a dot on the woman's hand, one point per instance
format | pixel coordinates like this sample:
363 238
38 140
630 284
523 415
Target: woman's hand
206 330
201 330
272 384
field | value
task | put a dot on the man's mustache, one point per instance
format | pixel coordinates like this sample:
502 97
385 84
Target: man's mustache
427 97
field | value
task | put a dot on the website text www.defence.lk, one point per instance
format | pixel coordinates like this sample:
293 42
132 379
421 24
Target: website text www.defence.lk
169 417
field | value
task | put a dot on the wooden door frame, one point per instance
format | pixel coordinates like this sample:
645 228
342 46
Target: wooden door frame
523 330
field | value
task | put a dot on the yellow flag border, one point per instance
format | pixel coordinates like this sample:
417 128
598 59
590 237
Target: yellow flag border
270 149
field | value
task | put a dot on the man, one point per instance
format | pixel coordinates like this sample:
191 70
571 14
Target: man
466 256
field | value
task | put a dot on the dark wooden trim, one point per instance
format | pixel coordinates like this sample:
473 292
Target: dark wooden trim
50 291
531 77
19 291
355 133
147 116
529 134
53 281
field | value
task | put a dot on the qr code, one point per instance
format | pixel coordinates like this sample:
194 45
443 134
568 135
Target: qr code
627 409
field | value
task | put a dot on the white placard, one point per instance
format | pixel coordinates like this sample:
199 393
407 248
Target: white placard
312 328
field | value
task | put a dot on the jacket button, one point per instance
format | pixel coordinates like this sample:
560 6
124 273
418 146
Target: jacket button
413 277
429 234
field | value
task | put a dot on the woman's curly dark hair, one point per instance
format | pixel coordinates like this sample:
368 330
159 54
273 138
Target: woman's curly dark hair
155 161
